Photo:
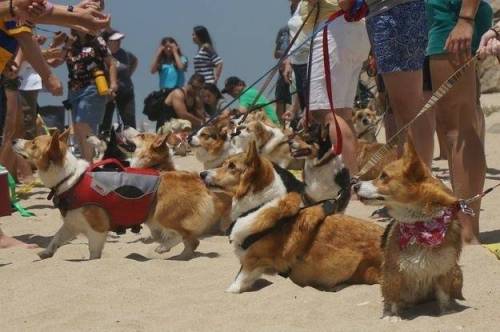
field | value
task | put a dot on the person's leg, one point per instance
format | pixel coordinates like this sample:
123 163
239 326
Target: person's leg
108 117
126 109
406 99
458 114
10 242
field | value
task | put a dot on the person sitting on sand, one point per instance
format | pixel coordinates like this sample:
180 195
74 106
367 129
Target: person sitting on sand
185 103
212 99
237 88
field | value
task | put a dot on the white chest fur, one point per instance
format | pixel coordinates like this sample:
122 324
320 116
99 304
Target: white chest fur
320 181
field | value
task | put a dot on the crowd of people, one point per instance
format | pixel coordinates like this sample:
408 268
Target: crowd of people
416 45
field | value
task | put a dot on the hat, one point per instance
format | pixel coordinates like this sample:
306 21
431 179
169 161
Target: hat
230 83
116 35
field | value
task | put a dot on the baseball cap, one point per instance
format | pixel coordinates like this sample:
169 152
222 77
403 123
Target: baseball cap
116 35
230 83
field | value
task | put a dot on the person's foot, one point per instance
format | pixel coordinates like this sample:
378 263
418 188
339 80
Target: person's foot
10 242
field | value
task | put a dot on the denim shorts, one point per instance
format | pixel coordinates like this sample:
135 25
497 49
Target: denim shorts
399 37
87 106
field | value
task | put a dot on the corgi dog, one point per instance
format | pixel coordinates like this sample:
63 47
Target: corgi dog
422 245
106 145
152 151
271 234
325 174
177 132
271 141
365 124
212 144
182 211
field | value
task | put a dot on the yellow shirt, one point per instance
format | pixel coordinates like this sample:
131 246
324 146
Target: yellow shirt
326 8
8 44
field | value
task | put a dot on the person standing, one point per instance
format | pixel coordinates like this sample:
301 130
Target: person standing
455 31
282 93
126 64
206 63
170 64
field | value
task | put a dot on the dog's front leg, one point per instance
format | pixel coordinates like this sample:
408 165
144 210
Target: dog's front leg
63 235
96 243
244 280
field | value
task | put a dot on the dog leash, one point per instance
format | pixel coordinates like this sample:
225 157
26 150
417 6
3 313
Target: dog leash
436 96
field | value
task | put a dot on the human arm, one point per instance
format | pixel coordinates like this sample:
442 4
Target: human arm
33 55
218 71
113 75
155 66
134 62
179 106
460 38
179 63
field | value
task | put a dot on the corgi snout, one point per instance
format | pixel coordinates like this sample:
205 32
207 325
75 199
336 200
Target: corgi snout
204 175
367 192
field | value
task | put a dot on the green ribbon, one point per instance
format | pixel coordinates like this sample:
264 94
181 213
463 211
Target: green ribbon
14 201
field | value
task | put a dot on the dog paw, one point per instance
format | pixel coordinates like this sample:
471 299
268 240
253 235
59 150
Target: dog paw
161 249
234 289
45 254
391 319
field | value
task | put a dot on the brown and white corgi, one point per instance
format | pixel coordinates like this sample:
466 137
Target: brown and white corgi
212 144
325 174
365 124
271 234
423 245
183 210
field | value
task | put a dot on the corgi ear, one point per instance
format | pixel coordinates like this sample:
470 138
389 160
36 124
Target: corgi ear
54 153
252 154
415 169
64 136
160 142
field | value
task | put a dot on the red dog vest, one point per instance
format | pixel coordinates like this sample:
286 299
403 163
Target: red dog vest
126 194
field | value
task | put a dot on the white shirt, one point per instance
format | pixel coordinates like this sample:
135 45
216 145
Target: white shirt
30 80
299 53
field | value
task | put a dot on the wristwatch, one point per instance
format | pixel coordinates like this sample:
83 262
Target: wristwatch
71 8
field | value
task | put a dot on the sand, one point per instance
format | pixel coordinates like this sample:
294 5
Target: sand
134 289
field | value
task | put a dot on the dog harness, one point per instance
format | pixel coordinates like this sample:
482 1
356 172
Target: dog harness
126 194
426 233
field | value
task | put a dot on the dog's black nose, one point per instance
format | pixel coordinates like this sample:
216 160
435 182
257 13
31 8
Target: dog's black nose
356 187
15 141
204 175
365 122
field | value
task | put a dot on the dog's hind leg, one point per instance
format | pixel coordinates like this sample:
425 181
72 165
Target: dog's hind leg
96 243
63 235
190 246
244 280
168 240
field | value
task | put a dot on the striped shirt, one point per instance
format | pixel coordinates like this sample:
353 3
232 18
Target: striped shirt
8 44
205 62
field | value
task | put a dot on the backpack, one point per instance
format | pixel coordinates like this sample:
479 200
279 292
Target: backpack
154 104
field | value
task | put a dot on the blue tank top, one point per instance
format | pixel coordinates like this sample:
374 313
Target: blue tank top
170 76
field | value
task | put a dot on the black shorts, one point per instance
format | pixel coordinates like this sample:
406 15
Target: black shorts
282 93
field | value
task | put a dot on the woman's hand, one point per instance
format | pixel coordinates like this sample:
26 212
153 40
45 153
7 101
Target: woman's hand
113 90
174 48
346 5
489 44
460 39
29 8
93 19
53 85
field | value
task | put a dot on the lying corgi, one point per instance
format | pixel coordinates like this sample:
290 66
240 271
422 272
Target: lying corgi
423 245
365 124
182 211
271 141
325 174
271 234
212 145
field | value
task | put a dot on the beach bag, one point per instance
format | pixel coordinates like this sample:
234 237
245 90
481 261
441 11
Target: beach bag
154 104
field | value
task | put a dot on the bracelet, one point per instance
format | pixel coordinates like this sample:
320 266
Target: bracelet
467 18
71 8
11 8
496 30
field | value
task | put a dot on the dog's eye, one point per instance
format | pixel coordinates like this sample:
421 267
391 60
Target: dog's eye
383 176
231 166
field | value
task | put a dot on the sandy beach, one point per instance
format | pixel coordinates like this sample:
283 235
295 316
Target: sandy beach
134 289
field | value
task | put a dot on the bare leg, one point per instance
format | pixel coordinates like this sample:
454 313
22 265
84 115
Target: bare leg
458 115
82 131
63 235
10 242
406 98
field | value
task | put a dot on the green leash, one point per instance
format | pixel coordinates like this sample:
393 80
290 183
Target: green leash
14 201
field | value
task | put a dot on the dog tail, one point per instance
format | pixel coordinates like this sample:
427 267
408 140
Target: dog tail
287 207
304 231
